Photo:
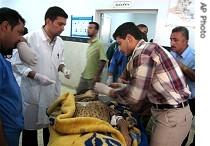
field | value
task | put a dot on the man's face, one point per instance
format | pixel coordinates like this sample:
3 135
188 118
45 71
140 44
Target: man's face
12 36
144 30
57 26
123 45
178 42
92 30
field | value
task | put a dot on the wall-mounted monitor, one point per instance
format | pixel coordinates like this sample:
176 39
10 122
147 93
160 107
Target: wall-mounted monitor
79 26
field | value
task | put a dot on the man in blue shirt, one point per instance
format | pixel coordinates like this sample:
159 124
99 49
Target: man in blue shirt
117 66
185 56
11 118
110 51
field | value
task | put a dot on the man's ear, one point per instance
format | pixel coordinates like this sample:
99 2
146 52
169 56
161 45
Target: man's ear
4 26
96 31
129 38
48 21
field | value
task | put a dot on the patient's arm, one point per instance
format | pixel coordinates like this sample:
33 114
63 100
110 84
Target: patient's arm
123 126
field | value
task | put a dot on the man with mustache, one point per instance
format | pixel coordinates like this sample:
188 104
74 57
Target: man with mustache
185 56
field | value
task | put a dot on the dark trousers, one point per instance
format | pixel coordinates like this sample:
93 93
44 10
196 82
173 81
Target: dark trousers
29 137
192 108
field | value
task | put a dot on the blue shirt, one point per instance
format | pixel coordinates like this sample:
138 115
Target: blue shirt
117 64
188 59
10 98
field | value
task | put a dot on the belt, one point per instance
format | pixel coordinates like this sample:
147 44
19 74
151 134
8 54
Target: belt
170 106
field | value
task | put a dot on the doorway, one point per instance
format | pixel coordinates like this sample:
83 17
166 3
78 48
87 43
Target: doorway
110 19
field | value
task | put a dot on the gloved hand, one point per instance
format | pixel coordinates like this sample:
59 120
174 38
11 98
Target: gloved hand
27 55
102 88
66 73
43 80
118 86
109 80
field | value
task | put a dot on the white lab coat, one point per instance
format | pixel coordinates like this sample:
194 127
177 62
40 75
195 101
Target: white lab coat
15 62
36 98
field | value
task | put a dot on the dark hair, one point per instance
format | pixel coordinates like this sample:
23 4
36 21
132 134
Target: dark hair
54 12
182 29
128 28
10 15
141 25
96 25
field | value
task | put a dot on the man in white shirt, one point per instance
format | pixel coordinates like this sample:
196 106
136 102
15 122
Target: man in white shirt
40 84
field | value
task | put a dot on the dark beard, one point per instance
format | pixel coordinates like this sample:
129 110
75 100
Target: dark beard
6 53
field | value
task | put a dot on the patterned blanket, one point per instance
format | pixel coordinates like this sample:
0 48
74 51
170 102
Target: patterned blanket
67 130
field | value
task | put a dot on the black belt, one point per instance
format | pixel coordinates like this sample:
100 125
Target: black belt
169 106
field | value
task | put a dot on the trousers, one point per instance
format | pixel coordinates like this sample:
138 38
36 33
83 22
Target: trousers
170 126
29 137
12 136
84 85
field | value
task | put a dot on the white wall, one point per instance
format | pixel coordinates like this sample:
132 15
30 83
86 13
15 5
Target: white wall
33 11
75 60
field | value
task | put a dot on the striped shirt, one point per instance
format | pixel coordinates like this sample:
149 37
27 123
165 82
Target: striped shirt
154 74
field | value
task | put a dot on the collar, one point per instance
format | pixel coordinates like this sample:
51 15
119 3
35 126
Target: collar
139 46
183 55
93 40
45 37
186 52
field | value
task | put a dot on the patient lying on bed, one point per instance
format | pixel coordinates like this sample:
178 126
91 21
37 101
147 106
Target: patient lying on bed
84 120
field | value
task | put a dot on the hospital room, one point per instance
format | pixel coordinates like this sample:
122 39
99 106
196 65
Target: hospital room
97 72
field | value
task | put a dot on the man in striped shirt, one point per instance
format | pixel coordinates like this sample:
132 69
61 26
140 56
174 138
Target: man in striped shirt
154 74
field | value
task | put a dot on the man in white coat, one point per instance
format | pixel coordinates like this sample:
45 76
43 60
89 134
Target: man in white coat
40 83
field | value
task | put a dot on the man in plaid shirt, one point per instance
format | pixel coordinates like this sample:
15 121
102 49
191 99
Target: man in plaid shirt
154 74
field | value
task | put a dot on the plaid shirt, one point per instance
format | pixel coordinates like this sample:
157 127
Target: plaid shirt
154 74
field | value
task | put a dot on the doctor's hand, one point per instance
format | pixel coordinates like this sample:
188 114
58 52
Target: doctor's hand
118 86
43 80
66 73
